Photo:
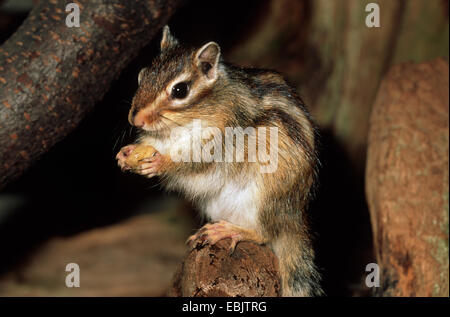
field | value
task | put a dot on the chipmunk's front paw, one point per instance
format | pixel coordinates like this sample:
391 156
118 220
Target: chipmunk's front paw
141 159
123 155
151 166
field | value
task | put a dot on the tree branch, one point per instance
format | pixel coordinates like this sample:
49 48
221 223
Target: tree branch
52 75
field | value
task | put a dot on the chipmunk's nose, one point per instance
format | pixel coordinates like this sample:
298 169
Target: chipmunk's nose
139 121
135 119
140 118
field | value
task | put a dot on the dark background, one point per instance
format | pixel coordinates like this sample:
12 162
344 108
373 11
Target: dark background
77 186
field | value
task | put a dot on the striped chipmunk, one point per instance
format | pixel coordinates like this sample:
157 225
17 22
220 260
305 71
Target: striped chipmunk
239 143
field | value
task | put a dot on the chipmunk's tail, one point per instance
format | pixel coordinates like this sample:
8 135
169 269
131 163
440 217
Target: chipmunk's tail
299 275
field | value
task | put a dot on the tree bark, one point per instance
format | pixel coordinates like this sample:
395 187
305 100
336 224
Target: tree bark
407 179
51 75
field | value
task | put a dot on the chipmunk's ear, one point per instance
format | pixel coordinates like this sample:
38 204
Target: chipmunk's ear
167 40
207 59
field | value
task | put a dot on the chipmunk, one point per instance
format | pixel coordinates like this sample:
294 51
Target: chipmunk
241 202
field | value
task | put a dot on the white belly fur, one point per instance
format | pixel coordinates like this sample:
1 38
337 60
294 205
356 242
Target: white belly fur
235 203
217 196
232 201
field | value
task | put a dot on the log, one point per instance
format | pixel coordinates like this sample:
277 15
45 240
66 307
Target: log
407 179
210 271
52 75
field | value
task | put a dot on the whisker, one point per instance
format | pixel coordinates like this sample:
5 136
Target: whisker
164 117
123 135
115 144
127 101
116 132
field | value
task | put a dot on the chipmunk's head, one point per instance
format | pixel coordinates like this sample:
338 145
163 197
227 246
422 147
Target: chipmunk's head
171 89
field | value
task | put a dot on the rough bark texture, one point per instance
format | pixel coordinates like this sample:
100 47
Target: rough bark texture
210 271
52 75
407 179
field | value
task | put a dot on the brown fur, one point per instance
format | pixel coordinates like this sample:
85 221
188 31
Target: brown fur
223 95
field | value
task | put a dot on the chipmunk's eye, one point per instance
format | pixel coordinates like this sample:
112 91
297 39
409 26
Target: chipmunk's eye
180 90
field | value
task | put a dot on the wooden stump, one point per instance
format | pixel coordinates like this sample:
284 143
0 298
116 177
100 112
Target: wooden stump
209 271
